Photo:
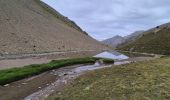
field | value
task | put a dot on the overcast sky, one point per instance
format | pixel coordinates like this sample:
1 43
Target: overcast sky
106 18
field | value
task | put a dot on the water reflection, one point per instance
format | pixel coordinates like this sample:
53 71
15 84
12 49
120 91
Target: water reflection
89 67
96 66
112 55
107 54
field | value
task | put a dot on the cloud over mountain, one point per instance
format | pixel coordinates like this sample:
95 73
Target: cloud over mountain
106 18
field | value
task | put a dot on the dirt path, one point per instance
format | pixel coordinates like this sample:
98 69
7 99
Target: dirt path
152 55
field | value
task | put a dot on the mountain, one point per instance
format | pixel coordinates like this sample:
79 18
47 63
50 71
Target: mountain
155 40
130 38
134 36
114 41
117 41
31 26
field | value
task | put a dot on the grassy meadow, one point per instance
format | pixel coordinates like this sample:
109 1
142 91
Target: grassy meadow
148 80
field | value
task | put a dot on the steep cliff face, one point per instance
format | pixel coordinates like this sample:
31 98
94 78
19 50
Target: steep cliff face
30 26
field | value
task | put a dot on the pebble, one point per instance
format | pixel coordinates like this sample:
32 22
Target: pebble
65 74
24 83
87 88
6 85
64 81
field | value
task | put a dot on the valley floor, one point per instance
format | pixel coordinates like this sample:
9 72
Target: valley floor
147 80
39 84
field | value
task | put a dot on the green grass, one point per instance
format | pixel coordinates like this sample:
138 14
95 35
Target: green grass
14 74
148 80
158 43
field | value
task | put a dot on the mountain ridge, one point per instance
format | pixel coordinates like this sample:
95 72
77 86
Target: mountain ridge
114 41
117 40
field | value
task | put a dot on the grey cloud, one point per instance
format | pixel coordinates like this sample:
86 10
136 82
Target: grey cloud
105 18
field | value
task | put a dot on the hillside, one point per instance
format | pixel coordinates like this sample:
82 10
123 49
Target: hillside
30 26
155 40
134 36
114 41
130 38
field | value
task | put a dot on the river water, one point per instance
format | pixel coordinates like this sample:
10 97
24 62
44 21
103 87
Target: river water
107 54
112 55
69 74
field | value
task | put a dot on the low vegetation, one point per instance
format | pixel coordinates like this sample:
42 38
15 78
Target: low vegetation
152 42
148 80
14 74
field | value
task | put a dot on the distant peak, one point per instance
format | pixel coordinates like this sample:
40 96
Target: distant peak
117 36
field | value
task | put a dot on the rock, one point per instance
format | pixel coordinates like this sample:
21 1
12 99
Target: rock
6 53
65 74
6 85
55 74
87 88
24 83
64 81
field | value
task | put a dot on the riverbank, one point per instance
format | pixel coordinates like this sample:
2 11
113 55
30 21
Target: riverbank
14 74
30 85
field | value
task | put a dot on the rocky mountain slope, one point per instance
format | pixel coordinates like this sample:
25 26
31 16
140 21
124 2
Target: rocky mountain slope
114 41
155 40
133 36
130 38
30 26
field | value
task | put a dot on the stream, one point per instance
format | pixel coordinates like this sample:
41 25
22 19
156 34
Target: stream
67 75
